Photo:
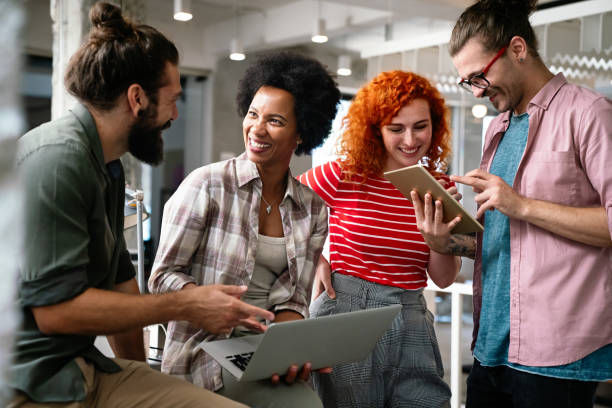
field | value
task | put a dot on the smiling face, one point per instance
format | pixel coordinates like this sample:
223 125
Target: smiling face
506 89
408 137
269 128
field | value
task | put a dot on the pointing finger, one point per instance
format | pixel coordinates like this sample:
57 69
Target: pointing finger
478 184
249 310
232 290
478 173
254 325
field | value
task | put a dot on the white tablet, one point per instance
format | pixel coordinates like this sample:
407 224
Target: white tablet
418 178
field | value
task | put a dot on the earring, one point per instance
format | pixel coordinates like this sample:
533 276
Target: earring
521 59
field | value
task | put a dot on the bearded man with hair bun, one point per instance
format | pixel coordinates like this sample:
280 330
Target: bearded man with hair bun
77 280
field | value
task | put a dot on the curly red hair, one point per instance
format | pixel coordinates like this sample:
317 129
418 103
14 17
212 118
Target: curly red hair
361 149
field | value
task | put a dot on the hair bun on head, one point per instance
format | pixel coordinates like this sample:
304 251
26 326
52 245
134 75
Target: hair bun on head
524 7
108 16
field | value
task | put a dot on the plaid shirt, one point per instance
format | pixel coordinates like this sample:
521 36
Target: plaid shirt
209 236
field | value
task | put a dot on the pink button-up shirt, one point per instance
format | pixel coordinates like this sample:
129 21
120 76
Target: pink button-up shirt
560 290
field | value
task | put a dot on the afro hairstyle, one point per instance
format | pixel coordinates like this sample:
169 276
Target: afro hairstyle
315 92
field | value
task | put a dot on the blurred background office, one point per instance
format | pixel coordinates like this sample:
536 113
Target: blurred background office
11 118
217 39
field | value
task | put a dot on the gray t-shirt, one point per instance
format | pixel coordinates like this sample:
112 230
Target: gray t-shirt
270 262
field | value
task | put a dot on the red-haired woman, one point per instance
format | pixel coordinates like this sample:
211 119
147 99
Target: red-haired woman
377 254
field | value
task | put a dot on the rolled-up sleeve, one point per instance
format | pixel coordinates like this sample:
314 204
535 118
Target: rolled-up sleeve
125 271
596 134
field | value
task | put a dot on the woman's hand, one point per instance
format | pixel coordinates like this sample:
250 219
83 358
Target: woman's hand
454 193
294 373
322 279
430 222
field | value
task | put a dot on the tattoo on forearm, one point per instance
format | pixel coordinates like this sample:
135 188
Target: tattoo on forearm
463 245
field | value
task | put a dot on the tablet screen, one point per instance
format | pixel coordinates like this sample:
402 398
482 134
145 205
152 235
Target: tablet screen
418 178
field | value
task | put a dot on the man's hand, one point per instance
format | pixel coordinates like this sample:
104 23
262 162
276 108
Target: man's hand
492 193
436 233
218 308
588 225
322 279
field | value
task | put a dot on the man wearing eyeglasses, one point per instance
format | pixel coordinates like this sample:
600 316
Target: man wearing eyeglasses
543 272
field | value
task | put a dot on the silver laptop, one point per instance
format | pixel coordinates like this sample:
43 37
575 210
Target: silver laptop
324 341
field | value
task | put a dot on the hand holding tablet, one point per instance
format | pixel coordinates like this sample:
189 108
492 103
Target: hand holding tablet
418 178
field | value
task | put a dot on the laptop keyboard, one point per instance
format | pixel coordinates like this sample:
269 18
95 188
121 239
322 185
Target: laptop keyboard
240 360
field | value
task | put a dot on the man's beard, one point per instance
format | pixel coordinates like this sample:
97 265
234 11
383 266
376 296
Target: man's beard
144 140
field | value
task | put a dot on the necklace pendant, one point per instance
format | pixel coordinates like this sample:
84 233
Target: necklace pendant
269 209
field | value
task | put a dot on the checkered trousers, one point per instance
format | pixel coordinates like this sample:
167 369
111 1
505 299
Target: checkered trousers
405 367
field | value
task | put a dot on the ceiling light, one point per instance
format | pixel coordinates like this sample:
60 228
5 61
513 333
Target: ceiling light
318 34
388 28
479 111
388 31
344 65
236 50
182 10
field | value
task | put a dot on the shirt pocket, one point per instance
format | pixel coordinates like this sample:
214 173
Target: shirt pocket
551 176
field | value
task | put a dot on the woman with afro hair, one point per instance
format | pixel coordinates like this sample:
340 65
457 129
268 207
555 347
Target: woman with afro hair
377 254
248 223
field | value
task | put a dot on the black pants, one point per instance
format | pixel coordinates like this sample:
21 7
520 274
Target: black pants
505 387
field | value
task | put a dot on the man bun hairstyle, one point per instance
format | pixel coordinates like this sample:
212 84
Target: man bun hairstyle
315 92
495 22
117 54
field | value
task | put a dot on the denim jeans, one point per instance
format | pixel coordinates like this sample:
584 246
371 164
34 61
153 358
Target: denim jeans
505 387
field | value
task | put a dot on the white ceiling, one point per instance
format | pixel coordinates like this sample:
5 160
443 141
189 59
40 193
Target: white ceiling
353 25
213 11
357 28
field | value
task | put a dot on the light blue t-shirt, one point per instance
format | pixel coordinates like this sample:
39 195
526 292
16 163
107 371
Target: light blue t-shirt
494 333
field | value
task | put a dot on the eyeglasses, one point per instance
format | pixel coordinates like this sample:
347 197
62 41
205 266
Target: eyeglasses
479 80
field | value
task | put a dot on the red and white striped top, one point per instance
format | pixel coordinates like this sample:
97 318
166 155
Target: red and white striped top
372 228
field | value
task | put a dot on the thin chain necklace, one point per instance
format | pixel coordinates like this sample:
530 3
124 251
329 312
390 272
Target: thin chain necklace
269 206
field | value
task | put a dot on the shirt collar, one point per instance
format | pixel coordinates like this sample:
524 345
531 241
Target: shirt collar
545 96
293 190
84 117
247 172
541 100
